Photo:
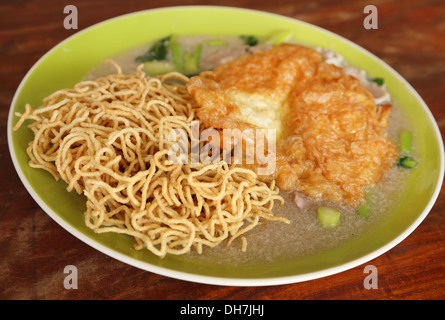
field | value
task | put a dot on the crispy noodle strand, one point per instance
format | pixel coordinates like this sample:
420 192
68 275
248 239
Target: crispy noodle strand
108 140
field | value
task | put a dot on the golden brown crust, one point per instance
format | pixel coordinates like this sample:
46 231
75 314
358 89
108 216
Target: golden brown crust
334 143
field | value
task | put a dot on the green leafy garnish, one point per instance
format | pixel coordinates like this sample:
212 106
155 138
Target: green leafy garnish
157 52
407 162
379 81
250 40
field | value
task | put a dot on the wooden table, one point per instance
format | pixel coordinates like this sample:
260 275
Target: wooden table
34 250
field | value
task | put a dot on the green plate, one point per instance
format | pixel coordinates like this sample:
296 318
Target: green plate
68 62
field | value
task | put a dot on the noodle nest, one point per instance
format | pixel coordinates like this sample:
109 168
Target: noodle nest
108 140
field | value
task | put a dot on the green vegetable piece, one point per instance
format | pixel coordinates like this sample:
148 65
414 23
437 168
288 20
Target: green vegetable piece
191 61
328 217
379 81
172 40
159 67
407 162
176 54
365 209
216 43
280 37
191 66
157 52
198 52
250 40
406 141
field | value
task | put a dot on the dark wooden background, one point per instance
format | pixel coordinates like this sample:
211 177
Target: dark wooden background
34 249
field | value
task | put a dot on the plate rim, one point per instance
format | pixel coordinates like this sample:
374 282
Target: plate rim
213 280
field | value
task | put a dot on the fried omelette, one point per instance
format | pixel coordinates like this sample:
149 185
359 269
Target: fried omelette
331 137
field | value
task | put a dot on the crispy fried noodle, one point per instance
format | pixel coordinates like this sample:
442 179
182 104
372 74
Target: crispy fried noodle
108 140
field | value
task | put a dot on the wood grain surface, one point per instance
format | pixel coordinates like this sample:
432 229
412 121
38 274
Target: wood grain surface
34 250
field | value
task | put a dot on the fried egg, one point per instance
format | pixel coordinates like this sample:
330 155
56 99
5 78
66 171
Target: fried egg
330 135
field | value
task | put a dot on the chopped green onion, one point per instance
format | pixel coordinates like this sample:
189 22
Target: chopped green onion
198 52
365 209
216 43
379 81
191 61
328 217
176 54
281 37
407 162
406 141
159 67
250 40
